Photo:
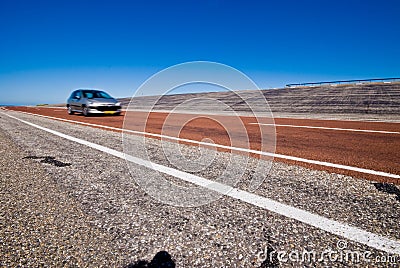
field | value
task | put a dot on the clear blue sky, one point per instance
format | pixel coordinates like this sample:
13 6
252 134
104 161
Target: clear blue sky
48 48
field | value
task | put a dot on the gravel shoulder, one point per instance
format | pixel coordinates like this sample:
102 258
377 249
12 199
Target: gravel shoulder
40 223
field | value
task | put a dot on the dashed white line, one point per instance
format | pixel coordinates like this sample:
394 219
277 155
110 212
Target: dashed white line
237 149
330 128
337 228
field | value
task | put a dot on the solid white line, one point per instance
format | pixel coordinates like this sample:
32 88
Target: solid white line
266 116
274 155
248 115
337 228
330 128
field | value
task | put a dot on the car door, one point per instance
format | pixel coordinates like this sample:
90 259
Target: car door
76 100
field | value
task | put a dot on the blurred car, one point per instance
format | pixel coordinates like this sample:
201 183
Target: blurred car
92 101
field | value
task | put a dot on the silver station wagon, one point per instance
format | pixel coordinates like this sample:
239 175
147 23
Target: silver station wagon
91 101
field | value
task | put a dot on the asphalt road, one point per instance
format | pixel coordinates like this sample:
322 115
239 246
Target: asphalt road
374 146
68 197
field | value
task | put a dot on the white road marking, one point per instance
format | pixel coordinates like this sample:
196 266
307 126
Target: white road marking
329 128
337 228
274 155
247 115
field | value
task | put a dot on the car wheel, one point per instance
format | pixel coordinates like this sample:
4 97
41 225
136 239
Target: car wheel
70 112
85 111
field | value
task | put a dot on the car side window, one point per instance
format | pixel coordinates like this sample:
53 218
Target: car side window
88 95
76 94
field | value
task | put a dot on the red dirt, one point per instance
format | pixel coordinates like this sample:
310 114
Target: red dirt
376 151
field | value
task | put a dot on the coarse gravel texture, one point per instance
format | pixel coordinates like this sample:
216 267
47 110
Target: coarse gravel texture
116 223
40 224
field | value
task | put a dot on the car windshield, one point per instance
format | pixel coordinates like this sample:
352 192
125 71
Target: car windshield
91 94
